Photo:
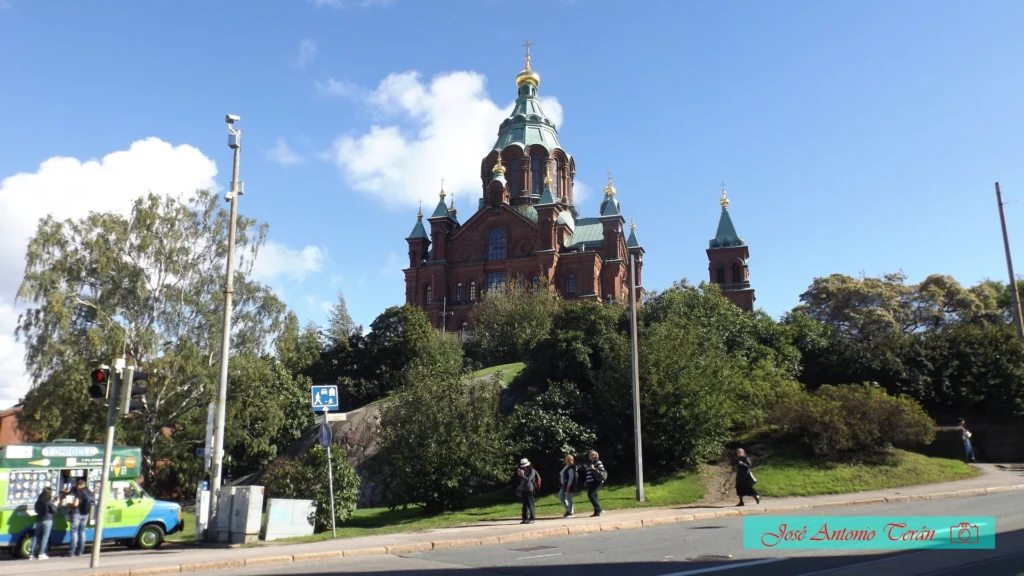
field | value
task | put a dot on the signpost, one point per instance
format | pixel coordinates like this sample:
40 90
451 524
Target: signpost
324 398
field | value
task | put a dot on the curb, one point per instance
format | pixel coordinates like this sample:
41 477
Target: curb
572 530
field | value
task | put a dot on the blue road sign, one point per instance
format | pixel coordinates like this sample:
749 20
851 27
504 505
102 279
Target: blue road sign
326 434
325 397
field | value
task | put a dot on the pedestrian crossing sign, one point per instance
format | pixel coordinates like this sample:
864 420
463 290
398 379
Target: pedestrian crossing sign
325 397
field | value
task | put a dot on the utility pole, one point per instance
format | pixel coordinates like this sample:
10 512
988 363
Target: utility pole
636 381
1017 320
113 394
217 463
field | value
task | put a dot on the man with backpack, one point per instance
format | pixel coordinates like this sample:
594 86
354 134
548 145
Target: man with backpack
596 476
528 486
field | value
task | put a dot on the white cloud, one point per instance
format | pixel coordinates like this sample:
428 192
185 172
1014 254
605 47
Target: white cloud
454 122
307 52
277 260
343 88
71 188
580 192
13 380
281 153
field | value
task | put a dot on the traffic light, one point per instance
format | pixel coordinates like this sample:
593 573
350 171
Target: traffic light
129 391
100 386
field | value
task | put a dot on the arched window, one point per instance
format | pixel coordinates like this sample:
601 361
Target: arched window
554 177
458 292
538 175
535 282
570 285
427 296
496 244
720 274
736 277
472 291
512 175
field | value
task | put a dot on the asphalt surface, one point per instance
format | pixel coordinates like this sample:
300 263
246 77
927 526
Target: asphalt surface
706 547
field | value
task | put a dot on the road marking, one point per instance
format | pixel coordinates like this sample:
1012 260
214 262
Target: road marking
721 568
849 566
541 556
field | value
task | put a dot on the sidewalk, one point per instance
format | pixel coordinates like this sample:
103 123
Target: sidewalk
178 559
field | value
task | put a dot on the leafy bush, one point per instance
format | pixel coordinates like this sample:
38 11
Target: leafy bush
839 421
440 439
687 387
306 479
544 429
508 322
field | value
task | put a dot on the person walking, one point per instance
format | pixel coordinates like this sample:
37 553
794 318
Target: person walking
45 509
596 476
965 434
529 484
78 517
745 478
567 486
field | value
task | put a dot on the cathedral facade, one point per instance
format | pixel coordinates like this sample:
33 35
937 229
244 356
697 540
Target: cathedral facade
526 228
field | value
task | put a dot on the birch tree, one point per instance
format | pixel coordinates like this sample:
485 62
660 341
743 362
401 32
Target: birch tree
148 286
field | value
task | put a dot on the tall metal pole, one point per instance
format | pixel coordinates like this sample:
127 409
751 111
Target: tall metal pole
113 394
217 463
330 486
636 381
1017 320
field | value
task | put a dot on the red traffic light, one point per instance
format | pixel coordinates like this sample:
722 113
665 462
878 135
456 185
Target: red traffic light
99 375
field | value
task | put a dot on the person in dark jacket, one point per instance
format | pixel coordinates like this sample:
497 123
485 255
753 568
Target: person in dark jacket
45 509
745 478
567 485
78 517
527 489
596 475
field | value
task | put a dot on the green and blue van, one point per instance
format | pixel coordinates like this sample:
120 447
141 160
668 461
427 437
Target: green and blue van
133 517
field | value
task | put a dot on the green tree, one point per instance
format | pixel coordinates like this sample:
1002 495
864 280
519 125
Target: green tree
397 338
306 479
508 322
149 286
441 440
340 325
545 428
688 397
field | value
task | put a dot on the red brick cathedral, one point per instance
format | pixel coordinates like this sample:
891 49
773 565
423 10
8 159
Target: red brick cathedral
526 228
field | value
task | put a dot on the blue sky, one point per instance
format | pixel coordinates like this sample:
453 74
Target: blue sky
857 136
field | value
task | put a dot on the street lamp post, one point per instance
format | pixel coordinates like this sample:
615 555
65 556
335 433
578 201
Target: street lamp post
638 445
217 462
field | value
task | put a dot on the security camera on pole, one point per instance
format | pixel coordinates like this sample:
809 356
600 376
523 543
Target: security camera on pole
217 461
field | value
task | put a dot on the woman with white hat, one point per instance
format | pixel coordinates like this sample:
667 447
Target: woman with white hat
529 485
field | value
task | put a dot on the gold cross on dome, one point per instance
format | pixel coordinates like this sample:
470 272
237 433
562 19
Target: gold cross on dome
527 46
722 184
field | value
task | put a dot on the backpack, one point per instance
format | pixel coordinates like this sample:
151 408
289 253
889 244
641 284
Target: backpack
536 482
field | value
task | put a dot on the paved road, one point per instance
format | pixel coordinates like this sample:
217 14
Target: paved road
706 547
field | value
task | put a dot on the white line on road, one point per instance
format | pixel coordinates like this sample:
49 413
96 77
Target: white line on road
727 567
541 556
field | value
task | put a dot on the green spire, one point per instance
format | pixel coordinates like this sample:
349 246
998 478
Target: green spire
726 235
418 231
610 206
547 197
441 211
527 124
631 241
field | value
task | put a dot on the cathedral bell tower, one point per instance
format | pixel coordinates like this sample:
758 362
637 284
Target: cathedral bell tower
727 260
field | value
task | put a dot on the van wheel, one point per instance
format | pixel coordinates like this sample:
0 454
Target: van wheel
21 549
150 537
